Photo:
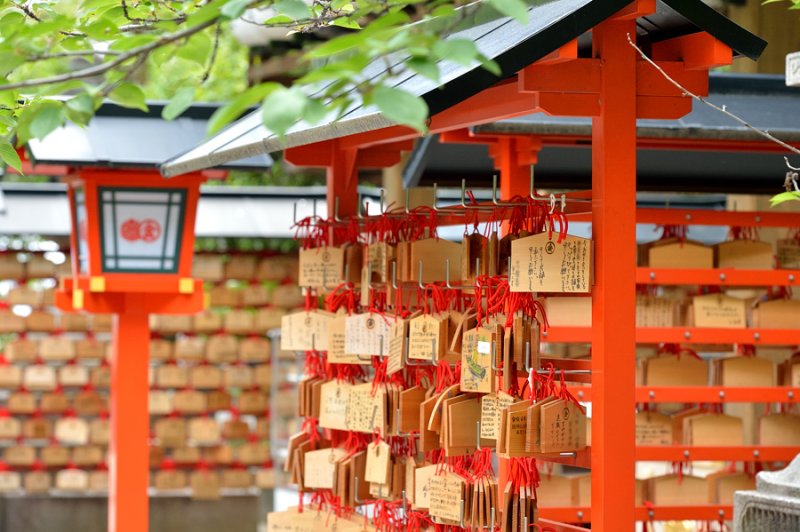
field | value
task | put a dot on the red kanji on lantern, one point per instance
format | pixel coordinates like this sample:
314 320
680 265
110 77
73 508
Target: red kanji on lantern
150 230
130 230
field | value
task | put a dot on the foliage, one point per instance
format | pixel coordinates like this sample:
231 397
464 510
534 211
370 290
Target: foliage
795 4
783 197
60 58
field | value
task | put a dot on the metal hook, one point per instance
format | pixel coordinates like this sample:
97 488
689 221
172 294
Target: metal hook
380 352
355 493
294 213
447 274
313 341
435 196
494 190
394 275
419 279
408 361
461 510
528 366
336 209
563 202
405 507
494 357
314 207
359 208
532 189
397 431
478 435
380 210
406 206
464 193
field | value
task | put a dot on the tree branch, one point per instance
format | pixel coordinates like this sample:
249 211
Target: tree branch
29 12
214 50
72 53
108 89
96 70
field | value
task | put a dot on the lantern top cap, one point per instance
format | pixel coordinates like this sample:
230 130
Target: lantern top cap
513 46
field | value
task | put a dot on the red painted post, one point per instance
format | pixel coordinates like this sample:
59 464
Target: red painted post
342 182
129 450
614 295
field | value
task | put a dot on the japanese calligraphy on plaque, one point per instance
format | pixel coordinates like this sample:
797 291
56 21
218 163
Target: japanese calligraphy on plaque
336 342
540 263
305 331
367 334
446 494
366 411
321 267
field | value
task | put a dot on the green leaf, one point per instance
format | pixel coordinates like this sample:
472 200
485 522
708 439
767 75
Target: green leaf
234 8
461 51
347 22
236 107
102 30
129 95
197 49
129 42
444 11
9 61
209 11
179 103
47 116
338 45
512 8
296 9
314 111
783 197
425 67
8 121
490 65
353 40
401 107
11 23
9 98
282 108
278 19
81 105
10 156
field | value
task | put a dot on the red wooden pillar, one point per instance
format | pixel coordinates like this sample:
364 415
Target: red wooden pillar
614 295
514 161
342 181
129 450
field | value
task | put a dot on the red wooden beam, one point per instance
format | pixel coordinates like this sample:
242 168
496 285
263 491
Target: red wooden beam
582 76
698 51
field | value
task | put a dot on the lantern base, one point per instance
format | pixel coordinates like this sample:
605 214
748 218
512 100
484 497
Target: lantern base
111 295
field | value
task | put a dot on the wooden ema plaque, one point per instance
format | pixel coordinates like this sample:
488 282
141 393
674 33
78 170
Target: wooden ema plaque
540 263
